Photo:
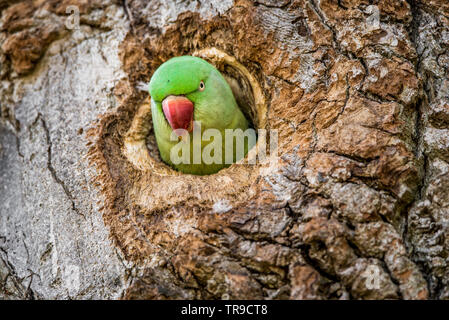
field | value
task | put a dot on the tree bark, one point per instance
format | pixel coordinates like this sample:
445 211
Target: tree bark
356 206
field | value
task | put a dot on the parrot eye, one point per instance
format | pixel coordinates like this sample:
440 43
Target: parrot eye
202 86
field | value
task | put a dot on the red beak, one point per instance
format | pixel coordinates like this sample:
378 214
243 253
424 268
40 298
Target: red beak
179 112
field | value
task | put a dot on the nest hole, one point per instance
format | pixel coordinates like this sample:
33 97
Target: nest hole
140 142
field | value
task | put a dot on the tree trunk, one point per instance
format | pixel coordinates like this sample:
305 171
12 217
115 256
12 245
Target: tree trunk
355 207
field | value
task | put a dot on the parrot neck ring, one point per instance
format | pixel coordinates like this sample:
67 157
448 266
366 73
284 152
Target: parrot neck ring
178 111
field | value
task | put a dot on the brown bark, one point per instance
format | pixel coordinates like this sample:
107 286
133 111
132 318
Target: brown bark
355 208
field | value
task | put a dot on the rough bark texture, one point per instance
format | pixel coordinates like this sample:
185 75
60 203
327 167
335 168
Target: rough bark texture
358 90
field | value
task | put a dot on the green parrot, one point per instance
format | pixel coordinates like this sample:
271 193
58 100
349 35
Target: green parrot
188 97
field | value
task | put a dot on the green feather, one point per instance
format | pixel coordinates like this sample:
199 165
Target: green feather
215 107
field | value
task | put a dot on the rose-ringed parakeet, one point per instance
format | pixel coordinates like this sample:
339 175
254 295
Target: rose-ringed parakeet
187 90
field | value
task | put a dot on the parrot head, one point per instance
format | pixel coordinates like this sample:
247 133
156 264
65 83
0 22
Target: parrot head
189 88
185 90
